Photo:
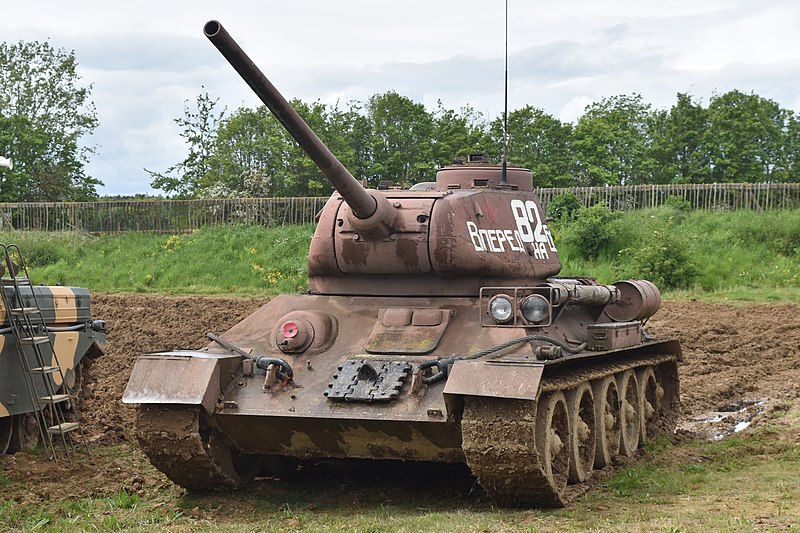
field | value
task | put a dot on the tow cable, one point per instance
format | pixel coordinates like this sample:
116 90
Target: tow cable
443 365
285 372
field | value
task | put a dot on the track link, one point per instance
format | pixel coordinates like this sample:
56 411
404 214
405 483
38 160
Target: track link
177 441
498 442
506 449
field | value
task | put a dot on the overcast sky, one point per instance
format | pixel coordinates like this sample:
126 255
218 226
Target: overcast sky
146 58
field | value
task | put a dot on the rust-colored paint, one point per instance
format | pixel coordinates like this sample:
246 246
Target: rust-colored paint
182 377
519 381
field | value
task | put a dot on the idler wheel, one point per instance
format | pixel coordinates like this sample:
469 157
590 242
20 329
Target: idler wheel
553 439
630 413
651 396
25 434
74 379
607 420
581 410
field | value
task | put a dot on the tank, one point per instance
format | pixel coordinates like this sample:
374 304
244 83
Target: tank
38 378
435 328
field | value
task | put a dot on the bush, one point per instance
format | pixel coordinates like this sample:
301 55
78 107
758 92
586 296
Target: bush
678 203
563 207
664 260
591 231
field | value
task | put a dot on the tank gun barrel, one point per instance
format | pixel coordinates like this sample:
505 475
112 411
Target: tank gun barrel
361 202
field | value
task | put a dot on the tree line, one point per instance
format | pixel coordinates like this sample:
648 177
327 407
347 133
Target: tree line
45 110
620 140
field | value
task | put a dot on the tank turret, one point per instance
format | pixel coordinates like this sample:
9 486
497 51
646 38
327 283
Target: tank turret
466 231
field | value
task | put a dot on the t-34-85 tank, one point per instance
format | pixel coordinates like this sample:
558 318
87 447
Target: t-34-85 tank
434 329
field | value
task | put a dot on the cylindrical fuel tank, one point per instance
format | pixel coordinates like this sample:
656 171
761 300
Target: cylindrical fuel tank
638 299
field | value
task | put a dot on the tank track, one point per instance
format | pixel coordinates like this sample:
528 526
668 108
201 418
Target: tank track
178 442
502 438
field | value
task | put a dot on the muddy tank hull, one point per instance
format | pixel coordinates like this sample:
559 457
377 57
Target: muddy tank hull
196 407
434 330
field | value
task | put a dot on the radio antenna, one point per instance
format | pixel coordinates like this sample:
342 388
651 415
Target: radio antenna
503 173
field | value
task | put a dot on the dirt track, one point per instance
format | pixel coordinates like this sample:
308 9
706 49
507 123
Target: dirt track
731 353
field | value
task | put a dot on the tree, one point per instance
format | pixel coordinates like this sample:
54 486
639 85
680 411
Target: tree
44 113
611 141
679 153
540 142
401 144
746 138
791 148
248 154
458 133
199 125
253 155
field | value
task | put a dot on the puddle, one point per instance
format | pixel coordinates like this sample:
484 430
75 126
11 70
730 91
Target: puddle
726 420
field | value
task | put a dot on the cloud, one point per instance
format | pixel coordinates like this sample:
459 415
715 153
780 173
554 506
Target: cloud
146 58
145 52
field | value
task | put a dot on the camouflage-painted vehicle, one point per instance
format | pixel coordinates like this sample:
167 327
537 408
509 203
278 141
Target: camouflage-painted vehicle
74 337
435 329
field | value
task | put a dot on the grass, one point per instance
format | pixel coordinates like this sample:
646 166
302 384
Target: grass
747 483
718 256
213 260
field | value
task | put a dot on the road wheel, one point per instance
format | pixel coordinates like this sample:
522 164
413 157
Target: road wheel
651 395
630 413
580 406
553 439
6 429
25 433
607 428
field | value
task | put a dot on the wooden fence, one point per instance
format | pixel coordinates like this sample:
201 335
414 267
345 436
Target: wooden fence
176 216
701 196
162 216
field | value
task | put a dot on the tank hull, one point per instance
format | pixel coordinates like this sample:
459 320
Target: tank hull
463 418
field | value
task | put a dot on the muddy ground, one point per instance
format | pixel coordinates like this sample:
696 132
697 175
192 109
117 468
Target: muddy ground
732 353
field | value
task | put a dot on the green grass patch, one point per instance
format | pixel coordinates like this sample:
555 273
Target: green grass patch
742 255
213 260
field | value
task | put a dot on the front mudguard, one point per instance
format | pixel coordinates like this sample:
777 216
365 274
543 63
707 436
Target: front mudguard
182 377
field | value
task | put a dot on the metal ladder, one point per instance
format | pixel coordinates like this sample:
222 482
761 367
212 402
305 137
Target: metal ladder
37 356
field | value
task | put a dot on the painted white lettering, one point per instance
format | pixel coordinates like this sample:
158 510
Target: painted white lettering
492 234
520 244
477 242
523 222
501 239
510 238
540 251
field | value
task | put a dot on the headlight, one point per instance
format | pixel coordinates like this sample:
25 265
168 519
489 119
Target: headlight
535 308
501 308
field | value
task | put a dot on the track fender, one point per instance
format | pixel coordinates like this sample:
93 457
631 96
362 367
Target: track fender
180 377
494 379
